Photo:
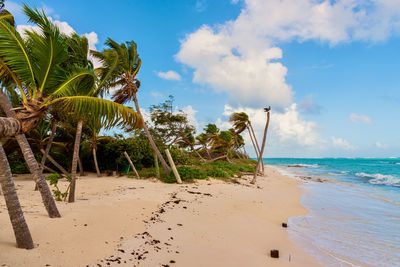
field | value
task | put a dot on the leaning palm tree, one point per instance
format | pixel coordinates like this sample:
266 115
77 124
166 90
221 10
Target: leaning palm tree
260 161
121 63
34 66
241 122
21 230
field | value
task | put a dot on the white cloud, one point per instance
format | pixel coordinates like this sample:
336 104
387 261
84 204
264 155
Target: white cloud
380 145
341 143
66 29
287 127
169 75
355 118
240 56
191 115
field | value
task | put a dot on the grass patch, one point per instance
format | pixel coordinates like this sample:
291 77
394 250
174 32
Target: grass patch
201 171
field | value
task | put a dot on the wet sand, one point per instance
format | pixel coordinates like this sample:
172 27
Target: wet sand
129 222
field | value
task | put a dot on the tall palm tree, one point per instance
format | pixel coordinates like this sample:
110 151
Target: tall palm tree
241 122
78 48
121 63
21 230
9 128
253 181
34 66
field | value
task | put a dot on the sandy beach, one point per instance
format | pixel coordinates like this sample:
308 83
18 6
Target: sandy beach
129 222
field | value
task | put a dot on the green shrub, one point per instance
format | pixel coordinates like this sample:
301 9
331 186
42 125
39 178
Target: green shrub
188 173
53 179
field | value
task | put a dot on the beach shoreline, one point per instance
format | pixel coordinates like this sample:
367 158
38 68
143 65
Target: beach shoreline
129 222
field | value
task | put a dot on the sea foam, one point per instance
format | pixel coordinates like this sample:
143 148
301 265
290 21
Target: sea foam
380 178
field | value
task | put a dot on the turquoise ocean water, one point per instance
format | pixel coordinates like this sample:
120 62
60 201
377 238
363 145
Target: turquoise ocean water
354 217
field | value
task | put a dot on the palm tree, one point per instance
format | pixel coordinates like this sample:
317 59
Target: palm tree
253 181
92 130
203 141
78 48
121 63
21 230
34 66
241 122
9 128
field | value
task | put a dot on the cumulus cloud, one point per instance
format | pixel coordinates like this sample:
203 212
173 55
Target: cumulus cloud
191 115
66 29
287 127
169 75
341 143
355 118
240 57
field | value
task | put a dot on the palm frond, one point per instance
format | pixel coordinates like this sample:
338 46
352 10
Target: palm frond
7 76
108 112
15 54
80 82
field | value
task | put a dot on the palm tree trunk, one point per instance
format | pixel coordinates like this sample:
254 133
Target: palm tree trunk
252 140
71 196
95 162
80 165
9 127
48 146
33 165
208 151
255 139
21 230
262 150
153 145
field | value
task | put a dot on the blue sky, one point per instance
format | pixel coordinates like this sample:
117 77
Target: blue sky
329 69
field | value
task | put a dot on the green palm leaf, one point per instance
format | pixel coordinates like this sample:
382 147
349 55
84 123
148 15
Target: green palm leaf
109 113
80 82
48 50
14 53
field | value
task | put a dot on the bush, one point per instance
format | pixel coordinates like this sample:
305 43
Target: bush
187 173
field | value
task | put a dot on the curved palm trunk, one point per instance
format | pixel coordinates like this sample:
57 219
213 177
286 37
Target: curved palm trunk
95 162
153 145
255 139
33 165
48 146
252 140
71 196
21 230
262 150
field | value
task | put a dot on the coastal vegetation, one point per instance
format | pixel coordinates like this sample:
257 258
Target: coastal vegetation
54 107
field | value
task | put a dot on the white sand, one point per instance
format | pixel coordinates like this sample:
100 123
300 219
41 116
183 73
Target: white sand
209 223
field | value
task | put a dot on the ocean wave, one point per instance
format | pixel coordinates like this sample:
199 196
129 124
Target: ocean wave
304 165
384 179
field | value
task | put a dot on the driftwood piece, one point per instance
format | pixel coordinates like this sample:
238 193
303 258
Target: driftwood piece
131 163
171 162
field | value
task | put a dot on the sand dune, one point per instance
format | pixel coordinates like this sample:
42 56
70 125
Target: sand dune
128 222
